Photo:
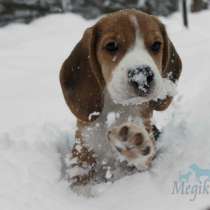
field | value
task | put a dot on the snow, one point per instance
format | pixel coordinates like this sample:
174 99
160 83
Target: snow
93 114
36 127
111 118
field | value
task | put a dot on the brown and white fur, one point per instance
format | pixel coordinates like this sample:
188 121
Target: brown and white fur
95 83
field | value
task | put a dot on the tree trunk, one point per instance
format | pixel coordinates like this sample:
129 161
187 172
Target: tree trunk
184 10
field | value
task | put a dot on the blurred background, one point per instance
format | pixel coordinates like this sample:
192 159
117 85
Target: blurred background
27 10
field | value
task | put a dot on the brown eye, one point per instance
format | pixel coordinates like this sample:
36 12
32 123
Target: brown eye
112 46
155 47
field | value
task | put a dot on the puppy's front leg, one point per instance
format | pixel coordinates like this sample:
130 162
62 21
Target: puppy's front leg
81 165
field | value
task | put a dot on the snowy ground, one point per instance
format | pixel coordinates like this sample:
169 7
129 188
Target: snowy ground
36 126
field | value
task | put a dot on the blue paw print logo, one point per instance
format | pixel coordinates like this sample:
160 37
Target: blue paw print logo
198 172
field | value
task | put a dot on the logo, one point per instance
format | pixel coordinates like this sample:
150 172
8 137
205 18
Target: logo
193 182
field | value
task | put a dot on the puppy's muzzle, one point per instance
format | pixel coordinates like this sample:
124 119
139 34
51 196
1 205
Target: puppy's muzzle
141 79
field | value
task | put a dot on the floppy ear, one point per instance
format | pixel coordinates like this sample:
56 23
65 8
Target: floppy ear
81 79
171 63
171 69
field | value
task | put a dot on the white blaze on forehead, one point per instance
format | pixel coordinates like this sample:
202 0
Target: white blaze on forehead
135 23
119 88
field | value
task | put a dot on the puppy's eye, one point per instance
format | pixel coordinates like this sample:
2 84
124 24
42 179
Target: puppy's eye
112 46
155 47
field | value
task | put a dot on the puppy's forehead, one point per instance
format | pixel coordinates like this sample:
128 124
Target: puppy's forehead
127 23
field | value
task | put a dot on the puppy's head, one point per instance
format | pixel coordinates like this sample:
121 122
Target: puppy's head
128 53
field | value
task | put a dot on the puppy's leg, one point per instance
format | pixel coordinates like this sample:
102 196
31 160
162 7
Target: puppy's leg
134 144
81 162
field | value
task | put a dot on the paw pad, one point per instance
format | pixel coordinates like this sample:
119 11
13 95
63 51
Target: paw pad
123 133
146 150
138 139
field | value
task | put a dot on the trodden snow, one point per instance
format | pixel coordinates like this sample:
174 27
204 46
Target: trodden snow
36 127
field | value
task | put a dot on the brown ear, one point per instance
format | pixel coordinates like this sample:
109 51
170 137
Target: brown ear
81 79
171 63
171 68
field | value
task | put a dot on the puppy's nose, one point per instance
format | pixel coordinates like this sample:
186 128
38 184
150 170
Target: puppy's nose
141 79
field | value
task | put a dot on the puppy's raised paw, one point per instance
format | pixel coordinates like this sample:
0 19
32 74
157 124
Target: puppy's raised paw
133 144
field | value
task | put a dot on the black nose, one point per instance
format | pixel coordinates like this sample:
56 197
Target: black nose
141 79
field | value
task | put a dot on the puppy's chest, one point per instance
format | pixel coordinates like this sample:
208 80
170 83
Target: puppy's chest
96 138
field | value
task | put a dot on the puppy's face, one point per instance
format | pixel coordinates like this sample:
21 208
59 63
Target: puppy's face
127 53
130 53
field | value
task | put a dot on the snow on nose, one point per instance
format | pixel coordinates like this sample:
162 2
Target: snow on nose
141 79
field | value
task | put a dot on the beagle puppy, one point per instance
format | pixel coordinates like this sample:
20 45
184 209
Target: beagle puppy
123 68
